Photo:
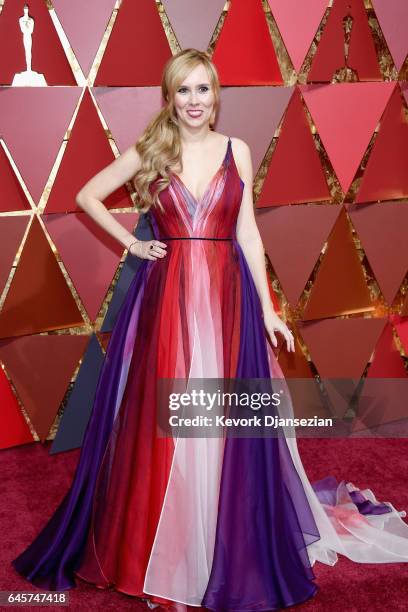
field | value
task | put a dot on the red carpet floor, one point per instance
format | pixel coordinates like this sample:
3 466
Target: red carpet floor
34 482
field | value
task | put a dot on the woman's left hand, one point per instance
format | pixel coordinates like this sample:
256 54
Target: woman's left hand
274 323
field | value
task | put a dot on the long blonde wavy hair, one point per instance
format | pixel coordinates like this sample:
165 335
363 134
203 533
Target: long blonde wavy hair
159 147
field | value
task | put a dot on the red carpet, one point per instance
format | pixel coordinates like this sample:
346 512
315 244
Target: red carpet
34 482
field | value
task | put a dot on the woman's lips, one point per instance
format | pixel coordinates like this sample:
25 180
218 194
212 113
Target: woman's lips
194 113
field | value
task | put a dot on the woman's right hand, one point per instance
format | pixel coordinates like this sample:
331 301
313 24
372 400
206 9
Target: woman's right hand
148 249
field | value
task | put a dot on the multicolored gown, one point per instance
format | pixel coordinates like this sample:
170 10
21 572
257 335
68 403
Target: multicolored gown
227 523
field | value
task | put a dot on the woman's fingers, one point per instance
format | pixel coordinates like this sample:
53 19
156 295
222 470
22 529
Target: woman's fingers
273 338
158 250
290 341
286 333
275 324
149 249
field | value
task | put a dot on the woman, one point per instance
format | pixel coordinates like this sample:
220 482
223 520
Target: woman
224 522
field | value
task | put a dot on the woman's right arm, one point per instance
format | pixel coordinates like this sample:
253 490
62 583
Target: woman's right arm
99 187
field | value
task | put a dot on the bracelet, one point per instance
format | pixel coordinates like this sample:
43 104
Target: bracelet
134 242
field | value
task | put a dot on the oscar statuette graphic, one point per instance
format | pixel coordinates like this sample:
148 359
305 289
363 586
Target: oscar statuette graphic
29 76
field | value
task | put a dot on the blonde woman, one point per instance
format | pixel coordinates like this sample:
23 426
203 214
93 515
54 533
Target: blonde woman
224 522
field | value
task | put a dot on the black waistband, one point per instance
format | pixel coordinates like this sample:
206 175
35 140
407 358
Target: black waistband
191 238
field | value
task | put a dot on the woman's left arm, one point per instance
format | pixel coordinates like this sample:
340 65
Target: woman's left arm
250 241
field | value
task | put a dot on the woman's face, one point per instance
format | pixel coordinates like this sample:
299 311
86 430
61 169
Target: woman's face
194 98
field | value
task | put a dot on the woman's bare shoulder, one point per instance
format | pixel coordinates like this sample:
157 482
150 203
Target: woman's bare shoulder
242 156
240 145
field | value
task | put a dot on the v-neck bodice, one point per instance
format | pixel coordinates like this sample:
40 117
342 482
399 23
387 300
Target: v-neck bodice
213 215
214 176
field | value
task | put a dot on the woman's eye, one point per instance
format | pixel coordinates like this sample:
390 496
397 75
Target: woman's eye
202 89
